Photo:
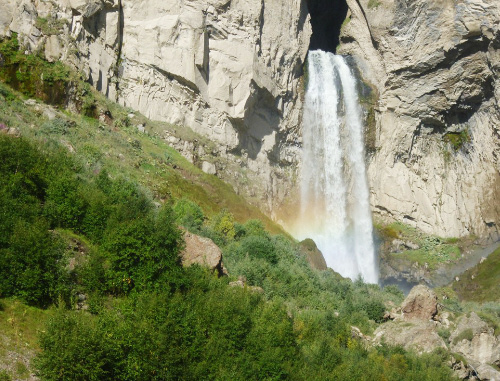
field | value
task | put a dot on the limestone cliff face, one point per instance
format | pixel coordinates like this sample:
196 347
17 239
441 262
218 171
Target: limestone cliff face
436 66
232 71
229 69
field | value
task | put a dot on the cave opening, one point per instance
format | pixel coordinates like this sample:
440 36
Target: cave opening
327 17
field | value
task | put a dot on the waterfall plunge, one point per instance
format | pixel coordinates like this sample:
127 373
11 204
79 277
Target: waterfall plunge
335 209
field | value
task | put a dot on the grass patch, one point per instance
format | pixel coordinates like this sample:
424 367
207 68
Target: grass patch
466 334
50 25
432 250
457 139
444 333
373 4
480 283
20 327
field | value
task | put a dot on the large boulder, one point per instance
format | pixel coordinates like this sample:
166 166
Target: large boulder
202 251
420 304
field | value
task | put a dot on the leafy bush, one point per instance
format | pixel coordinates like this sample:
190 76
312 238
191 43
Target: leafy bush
222 227
210 332
139 245
76 347
258 247
374 310
141 251
30 267
64 206
255 227
189 215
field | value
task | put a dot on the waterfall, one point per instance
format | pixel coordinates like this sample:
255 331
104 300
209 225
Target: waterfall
335 208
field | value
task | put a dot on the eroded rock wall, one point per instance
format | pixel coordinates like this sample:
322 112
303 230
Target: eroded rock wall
436 67
228 69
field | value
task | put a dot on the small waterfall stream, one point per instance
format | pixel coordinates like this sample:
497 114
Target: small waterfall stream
335 208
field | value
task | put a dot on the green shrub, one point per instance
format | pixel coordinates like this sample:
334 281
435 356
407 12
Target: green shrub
210 331
444 333
142 251
64 206
189 215
222 225
128 201
258 247
255 227
76 347
374 310
31 267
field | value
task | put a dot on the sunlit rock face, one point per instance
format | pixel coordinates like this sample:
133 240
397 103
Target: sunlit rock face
436 66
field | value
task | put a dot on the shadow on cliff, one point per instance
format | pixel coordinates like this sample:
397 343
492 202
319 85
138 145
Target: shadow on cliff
262 118
327 17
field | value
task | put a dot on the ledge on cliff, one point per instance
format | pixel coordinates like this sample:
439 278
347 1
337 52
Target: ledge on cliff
327 17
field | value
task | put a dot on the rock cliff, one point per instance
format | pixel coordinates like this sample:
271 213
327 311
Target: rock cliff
229 70
436 68
232 70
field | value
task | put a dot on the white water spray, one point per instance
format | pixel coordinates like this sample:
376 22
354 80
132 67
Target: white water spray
335 209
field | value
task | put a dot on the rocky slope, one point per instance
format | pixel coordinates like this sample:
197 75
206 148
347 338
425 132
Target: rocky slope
230 70
233 71
423 324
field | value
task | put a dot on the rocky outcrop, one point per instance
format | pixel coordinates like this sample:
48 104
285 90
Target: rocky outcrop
486 372
420 304
313 255
420 336
202 251
411 326
436 68
475 340
419 325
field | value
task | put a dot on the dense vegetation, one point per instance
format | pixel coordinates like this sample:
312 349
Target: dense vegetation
148 317
82 239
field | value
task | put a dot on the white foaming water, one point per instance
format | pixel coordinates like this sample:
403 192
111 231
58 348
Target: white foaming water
335 208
